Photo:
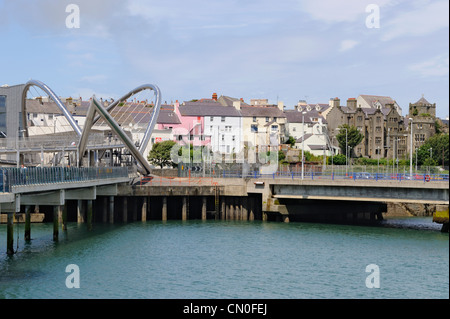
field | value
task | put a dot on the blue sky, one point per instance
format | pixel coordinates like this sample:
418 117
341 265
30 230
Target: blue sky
286 50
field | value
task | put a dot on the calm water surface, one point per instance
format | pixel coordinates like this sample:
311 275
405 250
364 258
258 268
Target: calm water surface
229 259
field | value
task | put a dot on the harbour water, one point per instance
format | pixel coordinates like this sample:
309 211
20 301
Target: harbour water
229 259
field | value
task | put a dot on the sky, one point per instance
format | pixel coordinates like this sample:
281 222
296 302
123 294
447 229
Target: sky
285 50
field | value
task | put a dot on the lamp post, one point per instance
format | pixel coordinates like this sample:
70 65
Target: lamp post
303 145
410 149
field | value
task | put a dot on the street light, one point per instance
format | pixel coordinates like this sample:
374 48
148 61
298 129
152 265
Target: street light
303 144
410 149
431 152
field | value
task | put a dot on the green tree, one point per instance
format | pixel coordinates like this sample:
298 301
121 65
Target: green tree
439 145
291 141
349 135
160 154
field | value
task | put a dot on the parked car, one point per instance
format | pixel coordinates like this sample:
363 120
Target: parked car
363 175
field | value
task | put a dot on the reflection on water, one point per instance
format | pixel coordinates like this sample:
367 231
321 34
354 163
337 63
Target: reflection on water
230 259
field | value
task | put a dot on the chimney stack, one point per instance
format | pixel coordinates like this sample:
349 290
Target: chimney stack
351 103
214 96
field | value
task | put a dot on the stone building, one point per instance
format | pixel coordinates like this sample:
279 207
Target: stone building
377 118
423 115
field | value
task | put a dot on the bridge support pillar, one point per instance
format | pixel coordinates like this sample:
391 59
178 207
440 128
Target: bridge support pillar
230 213
184 215
164 208
64 216
125 210
56 222
105 210
251 209
222 208
237 208
80 211
10 234
89 212
111 209
144 209
244 208
27 235
204 207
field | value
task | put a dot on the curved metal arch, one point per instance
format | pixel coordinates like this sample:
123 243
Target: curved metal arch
54 97
96 107
154 117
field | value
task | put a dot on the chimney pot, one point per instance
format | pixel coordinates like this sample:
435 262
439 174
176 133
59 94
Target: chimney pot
214 96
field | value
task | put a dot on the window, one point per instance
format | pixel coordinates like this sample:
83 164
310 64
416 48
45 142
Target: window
274 128
223 137
378 119
222 119
378 129
419 137
211 118
274 119
233 138
360 118
254 118
267 119
377 140
254 128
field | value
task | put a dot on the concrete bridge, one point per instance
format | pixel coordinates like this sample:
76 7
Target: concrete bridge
104 194
285 198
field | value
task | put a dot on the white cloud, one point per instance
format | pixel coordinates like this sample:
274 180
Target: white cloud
435 67
347 45
423 20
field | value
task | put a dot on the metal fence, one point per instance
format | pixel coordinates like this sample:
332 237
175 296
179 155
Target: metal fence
10 177
354 172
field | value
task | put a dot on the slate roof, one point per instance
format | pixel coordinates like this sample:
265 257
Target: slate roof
207 109
372 99
422 101
262 111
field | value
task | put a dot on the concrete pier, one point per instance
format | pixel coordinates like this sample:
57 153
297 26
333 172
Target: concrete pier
164 209
204 208
144 209
184 209
80 211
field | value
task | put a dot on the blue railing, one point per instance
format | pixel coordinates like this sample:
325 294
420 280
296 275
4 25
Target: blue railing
10 177
335 176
